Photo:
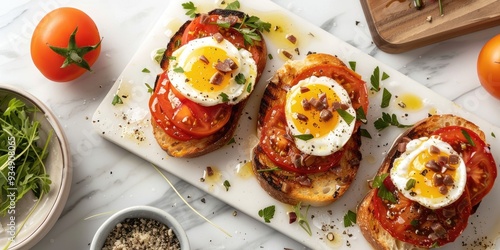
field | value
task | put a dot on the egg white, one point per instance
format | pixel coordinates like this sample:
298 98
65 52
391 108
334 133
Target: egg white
335 139
232 93
400 173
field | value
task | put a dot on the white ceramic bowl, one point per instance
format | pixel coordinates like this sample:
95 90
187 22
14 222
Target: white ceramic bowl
58 167
147 212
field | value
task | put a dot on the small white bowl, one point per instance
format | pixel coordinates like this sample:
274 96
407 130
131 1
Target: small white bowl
58 167
146 212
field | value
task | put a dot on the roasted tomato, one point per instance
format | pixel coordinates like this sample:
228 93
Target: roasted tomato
488 66
280 148
65 44
411 222
481 167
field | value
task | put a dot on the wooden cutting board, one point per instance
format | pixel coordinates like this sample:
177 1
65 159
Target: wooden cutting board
397 26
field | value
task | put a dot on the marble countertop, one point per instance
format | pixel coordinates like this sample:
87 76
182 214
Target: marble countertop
448 68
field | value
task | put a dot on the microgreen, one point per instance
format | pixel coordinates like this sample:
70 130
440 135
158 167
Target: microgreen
349 218
467 136
190 9
302 218
267 213
387 120
21 160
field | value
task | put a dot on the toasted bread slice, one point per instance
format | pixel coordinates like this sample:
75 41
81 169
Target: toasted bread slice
283 185
197 147
371 229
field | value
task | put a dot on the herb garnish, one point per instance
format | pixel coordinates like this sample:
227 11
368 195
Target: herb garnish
150 89
224 96
159 55
227 185
360 115
178 70
233 6
117 100
349 218
145 70
191 9
386 98
365 133
383 192
348 118
375 79
304 137
410 184
467 136
302 218
240 79
387 120
267 213
352 64
255 24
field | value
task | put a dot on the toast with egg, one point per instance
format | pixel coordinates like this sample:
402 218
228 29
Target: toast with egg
193 147
381 238
318 187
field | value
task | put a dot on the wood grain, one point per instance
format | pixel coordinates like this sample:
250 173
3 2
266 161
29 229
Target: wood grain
396 26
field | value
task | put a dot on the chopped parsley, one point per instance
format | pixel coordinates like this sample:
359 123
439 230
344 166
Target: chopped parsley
190 9
233 6
387 120
348 118
383 192
467 136
145 70
304 137
117 100
240 79
159 55
267 213
386 98
224 96
349 218
360 115
227 185
150 89
178 70
365 133
352 64
375 79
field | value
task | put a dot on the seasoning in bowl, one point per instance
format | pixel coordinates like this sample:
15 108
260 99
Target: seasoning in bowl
141 233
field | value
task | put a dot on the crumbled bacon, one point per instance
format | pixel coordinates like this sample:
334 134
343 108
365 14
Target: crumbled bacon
291 38
218 37
226 66
217 78
204 59
325 115
204 18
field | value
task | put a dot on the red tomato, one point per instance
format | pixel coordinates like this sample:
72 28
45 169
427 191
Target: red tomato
280 148
188 116
55 29
488 66
408 221
164 122
481 167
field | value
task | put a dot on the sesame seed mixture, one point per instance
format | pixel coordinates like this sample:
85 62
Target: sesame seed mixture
141 233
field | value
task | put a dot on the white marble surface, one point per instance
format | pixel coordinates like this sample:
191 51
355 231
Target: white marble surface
107 178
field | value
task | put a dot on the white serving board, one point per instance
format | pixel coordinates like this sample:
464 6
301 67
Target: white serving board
128 125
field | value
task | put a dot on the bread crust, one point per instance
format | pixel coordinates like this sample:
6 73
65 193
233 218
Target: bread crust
283 185
197 147
373 231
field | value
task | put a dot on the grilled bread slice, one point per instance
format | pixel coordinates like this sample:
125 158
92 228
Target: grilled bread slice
371 229
201 146
288 187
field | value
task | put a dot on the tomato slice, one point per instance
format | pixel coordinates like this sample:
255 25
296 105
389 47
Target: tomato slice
188 116
481 167
411 222
196 29
281 149
349 80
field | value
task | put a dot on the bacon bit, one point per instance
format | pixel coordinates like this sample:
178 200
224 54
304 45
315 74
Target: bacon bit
325 115
210 171
433 165
286 54
443 190
438 180
302 117
402 147
291 38
305 104
317 104
304 89
204 59
217 78
218 37
438 229
308 160
297 161
304 180
229 19
442 160
285 188
434 150
449 212
226 66
204 18
292 217
454 159
448 180
323 100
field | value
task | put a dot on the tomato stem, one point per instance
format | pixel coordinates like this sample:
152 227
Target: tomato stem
74 54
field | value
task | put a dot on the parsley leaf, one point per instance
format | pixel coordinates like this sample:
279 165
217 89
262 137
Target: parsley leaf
233 6
386 98
117 100
267 213
159 55
348 118
304 137
365 133
385 76
191 9
349 218
360 115
383 192
145 70
178 70
231 141
387 120
352 64
227 185
375 79
240 78
302 218
150 89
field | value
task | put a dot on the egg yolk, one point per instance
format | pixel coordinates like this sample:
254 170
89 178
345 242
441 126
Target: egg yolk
314 125
198 72
424 185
